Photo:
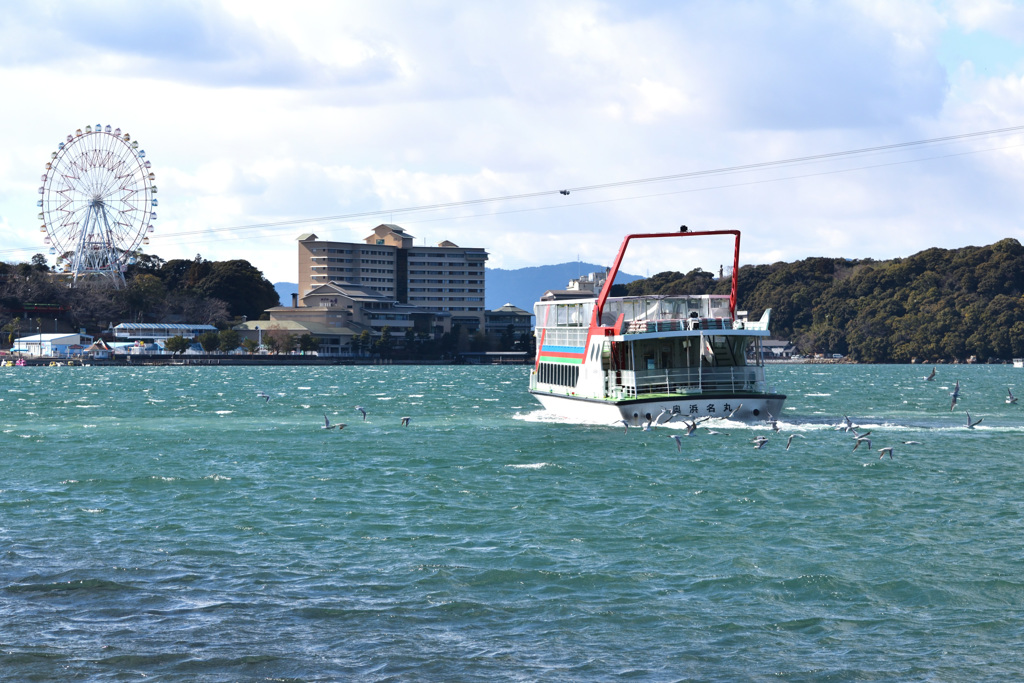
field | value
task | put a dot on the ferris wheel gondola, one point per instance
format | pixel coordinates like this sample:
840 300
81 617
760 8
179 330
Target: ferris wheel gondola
97 202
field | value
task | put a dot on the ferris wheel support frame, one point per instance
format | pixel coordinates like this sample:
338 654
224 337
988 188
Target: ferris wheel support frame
97 203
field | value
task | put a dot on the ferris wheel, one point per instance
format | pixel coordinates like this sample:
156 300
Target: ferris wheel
97 202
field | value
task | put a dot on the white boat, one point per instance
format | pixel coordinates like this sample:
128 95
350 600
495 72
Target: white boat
1018 362
633 358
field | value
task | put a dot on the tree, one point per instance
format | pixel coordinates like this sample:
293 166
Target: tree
250 346
308 343
177 344
272 342
229 340
145 294
384 343
210 341
238 283
508 338
12 330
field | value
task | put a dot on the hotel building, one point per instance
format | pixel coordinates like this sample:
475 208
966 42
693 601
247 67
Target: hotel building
446 280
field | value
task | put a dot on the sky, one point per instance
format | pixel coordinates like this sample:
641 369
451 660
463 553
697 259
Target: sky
461 121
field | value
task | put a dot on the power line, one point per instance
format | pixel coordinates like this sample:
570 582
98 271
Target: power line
601 186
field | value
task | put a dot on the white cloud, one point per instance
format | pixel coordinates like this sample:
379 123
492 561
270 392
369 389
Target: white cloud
251 114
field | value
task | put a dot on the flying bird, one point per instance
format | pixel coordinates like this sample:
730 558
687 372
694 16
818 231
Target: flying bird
971 425
733 412
405 421
955 395
883 451
789 442
860 440
362 410
1010 398
624 423
847 424
931 377
759 442
773 423
264 395
327 423
678 440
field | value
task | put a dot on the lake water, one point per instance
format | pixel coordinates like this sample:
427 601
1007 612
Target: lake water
170 523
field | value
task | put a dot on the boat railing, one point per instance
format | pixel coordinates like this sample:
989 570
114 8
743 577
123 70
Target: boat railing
638 383
678 325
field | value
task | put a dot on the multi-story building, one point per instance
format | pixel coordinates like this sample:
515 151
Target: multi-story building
446 280
507 319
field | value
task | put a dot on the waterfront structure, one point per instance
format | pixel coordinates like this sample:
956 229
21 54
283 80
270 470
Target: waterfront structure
333 341
154 332
60 344
499 320
446 280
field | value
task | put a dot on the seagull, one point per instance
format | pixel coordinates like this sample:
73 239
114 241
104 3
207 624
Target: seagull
931 377
883 451
912 442
955 395
791 437
1010 398
860 440
847 424
773 422
663 413
624 423
857 435
265 396
759 442
733 412
405 421
327 423
970 425
691 428
362 410
678 440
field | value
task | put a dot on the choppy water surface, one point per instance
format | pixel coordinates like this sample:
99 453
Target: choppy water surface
170 523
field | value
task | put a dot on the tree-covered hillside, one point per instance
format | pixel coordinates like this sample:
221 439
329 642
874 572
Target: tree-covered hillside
939 304
194 291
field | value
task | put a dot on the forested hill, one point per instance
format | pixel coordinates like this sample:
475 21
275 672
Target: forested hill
939 304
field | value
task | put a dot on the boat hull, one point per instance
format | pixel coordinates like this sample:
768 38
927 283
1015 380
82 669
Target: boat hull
752 407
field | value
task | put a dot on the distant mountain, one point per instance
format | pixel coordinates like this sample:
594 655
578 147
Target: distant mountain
520 287
285 291
523 286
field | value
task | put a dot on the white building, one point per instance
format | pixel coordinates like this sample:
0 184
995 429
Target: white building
153 332
60 344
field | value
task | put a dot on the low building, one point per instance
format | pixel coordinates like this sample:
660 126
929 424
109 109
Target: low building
60 344
153 332
499 319
777 349
336 312
333 341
